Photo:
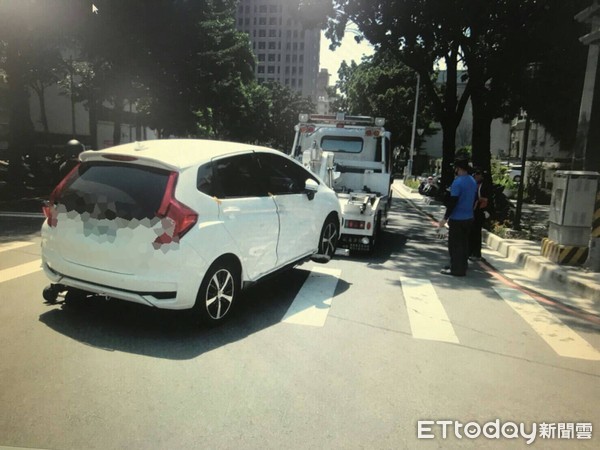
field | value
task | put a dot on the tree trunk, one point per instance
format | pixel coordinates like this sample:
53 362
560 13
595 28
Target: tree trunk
93 120
448 151
482 122
118 120
20 135
41 93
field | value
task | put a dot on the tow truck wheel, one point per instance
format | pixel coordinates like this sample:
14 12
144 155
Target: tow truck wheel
50 293
329 236
376 233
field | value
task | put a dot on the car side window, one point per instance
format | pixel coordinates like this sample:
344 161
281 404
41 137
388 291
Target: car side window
204 181
282 175
238 176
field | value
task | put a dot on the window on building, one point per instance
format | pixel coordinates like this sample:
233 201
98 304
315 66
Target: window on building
272 45
262 45
272 20
262 20
273 8
271 69
262 33
272 33
271 57
261 56
261 69
262 9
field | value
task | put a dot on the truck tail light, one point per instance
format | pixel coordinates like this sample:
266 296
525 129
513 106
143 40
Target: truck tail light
181 217
357 224
49 207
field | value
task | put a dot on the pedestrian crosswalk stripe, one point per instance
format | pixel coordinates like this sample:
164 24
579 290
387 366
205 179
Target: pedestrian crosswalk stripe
312 302
427 316
14 245
551 329
20 270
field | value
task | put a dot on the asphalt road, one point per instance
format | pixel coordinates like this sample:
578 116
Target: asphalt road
387 342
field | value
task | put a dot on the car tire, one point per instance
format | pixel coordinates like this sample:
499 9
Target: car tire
330 233
218 292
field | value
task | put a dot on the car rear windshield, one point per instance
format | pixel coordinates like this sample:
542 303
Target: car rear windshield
346 144
115 190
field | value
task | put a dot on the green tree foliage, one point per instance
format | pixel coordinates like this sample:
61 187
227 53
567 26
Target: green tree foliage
181 58
266 115
31 33
420 34
501 42
494 40
383 87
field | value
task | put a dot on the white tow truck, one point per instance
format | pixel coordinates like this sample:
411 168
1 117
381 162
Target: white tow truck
352 155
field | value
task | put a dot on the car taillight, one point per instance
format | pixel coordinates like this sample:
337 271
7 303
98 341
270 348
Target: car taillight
49 207
182 217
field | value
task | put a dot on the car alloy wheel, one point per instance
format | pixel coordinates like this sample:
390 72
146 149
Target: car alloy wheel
329 237
217 292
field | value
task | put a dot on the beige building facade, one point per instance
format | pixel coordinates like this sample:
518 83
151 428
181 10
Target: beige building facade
285 51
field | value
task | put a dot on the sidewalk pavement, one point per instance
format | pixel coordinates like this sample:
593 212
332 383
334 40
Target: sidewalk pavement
521 261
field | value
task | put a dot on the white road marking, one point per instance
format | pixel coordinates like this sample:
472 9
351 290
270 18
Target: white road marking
20 270
551 329
427 316
14 245
24 215
312 303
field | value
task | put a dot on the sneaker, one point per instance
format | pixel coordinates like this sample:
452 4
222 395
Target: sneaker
476 258
447 271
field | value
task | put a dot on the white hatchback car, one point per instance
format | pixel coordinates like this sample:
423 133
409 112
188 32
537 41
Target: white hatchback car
180 224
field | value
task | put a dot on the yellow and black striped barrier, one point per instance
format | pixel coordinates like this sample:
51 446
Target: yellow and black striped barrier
596 220
567 255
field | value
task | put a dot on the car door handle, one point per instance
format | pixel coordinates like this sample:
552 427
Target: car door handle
231 209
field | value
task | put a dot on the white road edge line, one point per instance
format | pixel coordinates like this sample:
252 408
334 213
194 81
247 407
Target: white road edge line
426 314
313 301
550 328
20 270
14 245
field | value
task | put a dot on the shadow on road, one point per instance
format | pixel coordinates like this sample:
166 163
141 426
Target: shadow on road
127 327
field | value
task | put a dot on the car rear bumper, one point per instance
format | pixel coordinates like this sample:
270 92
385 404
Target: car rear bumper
179 293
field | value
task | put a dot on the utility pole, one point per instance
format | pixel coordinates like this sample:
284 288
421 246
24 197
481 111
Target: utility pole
517 220
414 129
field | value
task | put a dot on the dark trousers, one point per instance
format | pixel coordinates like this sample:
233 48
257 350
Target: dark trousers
458 245
475 234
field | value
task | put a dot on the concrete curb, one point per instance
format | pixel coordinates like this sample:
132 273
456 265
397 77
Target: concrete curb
527 254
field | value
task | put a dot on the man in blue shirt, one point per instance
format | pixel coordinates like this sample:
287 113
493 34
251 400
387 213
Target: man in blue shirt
459 215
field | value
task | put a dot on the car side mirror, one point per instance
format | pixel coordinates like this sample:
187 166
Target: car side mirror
310 188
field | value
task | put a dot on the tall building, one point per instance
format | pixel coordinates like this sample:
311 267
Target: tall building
285 51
